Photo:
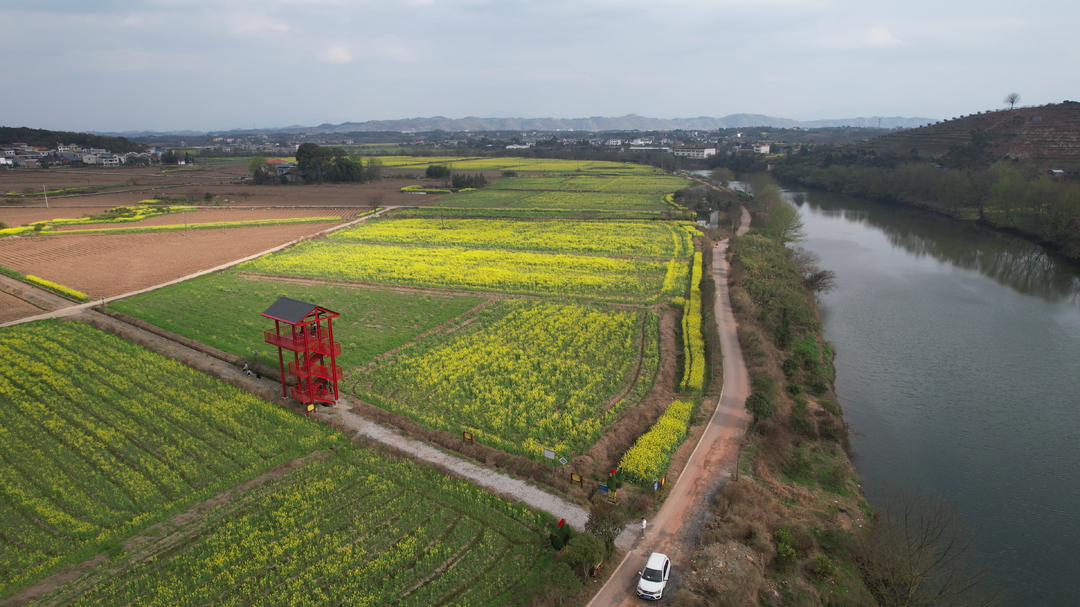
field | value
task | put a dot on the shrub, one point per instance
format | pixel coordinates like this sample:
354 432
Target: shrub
605 522
785 548
833 478
800 418
799 466
819 386
586 552
822 566
509 173
760 406
832 407
793 389
790 367
765 384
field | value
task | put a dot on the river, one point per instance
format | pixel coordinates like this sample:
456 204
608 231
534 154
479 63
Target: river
958 369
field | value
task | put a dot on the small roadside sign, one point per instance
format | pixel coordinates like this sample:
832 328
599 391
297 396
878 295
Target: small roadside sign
603 488
562 460
577 478
467 437
655 485
548 453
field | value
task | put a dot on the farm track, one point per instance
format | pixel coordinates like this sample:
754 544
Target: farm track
674 530
341 415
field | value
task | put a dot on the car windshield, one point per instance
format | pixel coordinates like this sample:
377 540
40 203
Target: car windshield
652 575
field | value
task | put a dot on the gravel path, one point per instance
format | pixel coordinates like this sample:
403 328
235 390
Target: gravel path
497 482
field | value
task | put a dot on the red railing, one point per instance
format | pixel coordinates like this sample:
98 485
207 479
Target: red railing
325 346
325 396
298 369
322 346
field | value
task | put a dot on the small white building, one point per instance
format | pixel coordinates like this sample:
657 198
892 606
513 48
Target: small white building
694 152
762 148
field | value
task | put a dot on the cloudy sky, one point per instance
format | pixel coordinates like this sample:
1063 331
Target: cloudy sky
112 65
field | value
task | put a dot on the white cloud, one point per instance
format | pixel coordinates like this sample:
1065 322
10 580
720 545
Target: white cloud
338 53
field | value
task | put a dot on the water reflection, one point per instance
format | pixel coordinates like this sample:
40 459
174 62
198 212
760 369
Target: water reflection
1011 261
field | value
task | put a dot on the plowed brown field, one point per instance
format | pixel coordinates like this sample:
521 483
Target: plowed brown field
13 308
103 265
218 215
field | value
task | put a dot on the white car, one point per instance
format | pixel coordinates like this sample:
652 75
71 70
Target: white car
654 577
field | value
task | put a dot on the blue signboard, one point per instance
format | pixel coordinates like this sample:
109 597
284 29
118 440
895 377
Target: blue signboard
604 488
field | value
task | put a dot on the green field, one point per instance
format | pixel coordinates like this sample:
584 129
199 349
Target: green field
516 213
665 239
521 374
222 310
530 199
551 165
657 184
352 528
100 438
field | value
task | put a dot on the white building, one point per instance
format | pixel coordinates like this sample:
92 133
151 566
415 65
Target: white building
694 152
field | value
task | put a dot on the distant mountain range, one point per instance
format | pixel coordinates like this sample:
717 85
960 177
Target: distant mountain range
597 123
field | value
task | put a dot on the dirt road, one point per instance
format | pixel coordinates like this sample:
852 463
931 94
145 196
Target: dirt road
675 529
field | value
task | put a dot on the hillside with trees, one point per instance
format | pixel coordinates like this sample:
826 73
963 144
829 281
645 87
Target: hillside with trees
49 139
1013 170
1047 135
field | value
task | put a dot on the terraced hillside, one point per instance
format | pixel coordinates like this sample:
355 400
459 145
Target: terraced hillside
1049 134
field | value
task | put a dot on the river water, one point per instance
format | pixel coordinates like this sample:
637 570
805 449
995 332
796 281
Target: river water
958 369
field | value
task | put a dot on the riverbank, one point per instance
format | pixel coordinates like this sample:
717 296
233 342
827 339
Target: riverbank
783 530
1015 199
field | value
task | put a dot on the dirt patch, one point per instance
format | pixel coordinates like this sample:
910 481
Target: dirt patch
103 265
13 307
219 215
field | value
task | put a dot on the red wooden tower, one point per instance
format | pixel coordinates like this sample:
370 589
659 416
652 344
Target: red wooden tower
310 337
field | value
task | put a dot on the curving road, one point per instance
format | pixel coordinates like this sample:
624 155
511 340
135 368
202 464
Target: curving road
674 529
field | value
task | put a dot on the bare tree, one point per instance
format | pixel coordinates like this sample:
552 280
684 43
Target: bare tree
1011 99
814 278
375 200
916 555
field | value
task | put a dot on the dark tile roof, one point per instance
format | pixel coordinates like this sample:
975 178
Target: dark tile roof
289 310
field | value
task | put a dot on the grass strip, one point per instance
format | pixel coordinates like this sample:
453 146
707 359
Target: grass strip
203 226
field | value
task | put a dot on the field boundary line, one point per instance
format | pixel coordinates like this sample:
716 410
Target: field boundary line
71 310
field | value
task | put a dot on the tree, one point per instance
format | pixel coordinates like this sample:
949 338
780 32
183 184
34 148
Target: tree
373 170
784 223
722 175
1011 99
915 555
814 278
605 522
437 171
375 200
262 172
585 552
314 160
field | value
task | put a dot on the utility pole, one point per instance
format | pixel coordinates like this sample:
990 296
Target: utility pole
46 193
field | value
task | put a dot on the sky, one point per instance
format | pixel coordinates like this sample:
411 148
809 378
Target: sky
112 65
